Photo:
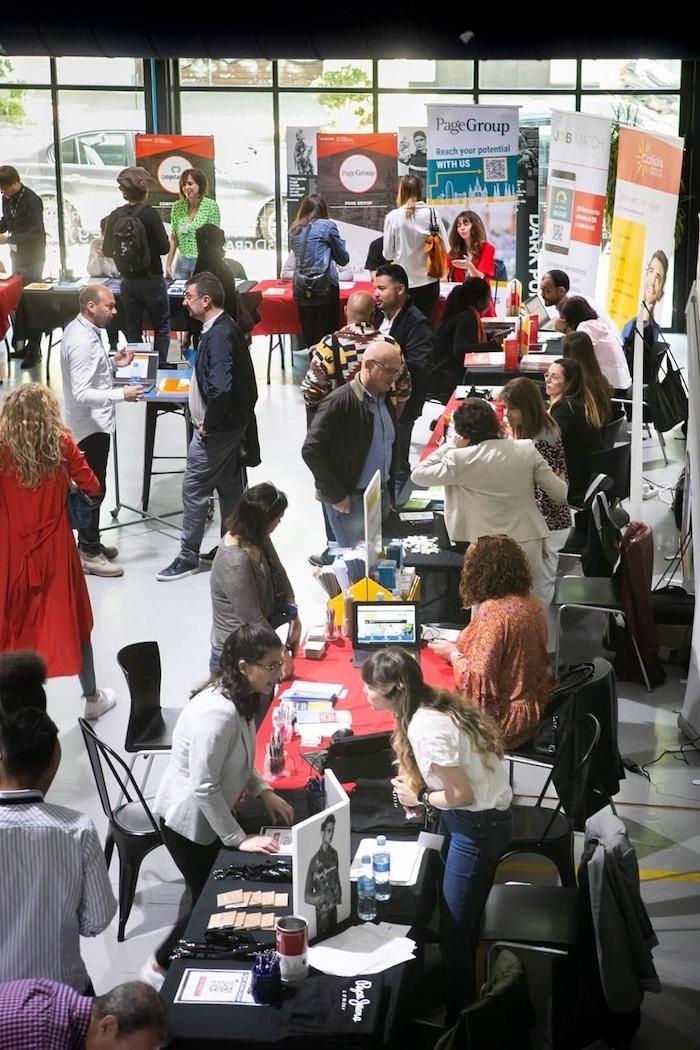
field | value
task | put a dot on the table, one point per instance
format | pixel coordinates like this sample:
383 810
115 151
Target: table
490 366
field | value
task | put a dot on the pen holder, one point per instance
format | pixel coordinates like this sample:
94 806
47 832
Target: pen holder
267 982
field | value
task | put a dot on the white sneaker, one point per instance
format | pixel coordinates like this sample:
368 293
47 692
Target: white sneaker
94 709
150 973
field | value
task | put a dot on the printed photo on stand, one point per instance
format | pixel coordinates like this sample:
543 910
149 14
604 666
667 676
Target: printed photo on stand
321 863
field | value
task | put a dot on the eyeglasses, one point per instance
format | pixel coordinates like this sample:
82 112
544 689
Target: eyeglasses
385 368
551 377
276 665
187 297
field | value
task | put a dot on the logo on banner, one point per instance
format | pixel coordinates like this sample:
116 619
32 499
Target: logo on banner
357 999
648 162
358 173
169 172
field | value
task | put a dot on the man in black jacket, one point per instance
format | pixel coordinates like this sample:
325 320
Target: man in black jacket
143 288
22 227
223 393
352 435
404 322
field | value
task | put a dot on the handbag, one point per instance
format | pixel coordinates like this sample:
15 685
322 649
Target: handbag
434 248
668 399
549 733
80 505
312 287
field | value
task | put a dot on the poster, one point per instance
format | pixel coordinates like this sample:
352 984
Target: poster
302 167
472 154
372 505
165 157
413 153
576 188
528 218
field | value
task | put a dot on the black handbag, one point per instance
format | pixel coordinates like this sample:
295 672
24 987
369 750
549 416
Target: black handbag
668 399
548 735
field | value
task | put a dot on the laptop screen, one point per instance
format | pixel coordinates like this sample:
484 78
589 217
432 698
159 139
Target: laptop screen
376 624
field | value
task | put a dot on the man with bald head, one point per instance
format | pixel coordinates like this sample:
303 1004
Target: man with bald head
89 396
352 435
336 359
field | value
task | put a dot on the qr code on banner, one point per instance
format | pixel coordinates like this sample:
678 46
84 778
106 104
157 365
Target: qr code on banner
495 169
557 233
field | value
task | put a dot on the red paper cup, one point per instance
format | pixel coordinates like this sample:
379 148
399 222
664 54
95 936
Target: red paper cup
534 327
292 942
510 345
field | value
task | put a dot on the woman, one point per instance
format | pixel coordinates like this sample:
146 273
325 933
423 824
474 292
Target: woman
248 582
449 760
318 247
192 210
44 601
471 255
405 231
211 259
579 316
500 659
211 766
490 483
597 390
579 419
459 332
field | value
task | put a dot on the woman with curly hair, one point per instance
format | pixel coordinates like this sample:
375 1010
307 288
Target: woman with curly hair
500 659
44 601
448 755
211 766
471 255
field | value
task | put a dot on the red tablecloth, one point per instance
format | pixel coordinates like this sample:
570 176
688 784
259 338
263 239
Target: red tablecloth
337 667
10 295
279 314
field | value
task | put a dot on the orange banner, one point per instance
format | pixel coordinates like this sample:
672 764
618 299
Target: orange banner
646 160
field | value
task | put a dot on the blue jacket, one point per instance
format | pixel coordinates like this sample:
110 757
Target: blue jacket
225 377
324 248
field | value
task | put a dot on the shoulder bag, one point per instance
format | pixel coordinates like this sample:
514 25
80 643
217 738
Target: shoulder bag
434 248
312 286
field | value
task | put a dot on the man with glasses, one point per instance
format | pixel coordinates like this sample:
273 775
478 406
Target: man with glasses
352 435
223 393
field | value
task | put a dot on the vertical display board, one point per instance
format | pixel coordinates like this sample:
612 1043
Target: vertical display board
165 157
321 863
528 229
302 167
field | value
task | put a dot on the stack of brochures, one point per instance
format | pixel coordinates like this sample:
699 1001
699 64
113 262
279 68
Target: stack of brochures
406 858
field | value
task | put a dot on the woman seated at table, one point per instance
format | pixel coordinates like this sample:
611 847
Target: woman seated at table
460 332
211 766
490 483
448 759
248 582
471 255
579 418
579 316
500 659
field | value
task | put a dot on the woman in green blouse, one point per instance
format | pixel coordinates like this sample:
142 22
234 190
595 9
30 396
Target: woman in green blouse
192 210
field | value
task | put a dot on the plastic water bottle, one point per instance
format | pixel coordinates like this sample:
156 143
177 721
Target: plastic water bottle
381 862
366 897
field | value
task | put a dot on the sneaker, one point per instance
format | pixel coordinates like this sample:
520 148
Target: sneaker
31 361
208 558
106 700
180 567
151 973
110 553
97 565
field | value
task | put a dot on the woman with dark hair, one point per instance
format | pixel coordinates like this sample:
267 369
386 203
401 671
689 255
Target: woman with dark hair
460 331
211 259
448 756
597 390
579 420
405 231
191 210
318 247
248 582
471 255
490 483
500 659
211 766
579 316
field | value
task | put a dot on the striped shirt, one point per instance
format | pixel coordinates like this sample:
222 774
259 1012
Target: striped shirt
42 1015
321 377
54 888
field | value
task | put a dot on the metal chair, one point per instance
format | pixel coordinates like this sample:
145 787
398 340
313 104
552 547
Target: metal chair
150 729
132 827
612 431
615 461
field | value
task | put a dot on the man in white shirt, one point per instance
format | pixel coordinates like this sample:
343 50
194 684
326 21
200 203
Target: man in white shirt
555 287
89 396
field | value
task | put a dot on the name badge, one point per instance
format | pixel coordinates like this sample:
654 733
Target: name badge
185 227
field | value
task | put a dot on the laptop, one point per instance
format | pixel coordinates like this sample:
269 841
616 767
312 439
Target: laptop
378 624
143 370
536 308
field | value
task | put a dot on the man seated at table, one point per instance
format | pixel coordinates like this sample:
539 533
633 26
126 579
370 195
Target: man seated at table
352 435
404 322
22 228
555 287
45 1015
55 886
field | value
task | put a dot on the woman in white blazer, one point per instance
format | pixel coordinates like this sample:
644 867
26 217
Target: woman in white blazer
490 484
212 765
405 231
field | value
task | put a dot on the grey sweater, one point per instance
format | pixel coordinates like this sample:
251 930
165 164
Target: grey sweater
242 590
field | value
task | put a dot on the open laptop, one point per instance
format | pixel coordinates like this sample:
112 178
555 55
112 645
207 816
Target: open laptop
143 370
378 624
536 308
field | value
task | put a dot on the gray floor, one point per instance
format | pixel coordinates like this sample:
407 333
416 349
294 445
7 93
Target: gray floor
661 814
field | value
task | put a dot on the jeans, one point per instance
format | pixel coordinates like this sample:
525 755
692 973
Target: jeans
349 529
213 464
147 295
473 845
184 268
95 448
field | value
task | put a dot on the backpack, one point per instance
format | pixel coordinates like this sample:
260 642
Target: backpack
130 249
311 286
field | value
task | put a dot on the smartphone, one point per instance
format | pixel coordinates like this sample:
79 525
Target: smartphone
560 210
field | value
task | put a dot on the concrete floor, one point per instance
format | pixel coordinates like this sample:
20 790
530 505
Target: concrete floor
661 814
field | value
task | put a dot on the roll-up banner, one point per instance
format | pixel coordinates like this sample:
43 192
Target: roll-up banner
579 156
302 165
165 157
528 242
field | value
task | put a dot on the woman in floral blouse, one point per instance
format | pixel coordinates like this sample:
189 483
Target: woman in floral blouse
500 659
190 211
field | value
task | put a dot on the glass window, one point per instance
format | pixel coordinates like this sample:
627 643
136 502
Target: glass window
225 72
334 73
397 111
554 73
408 73
612 74
110 72
21 70
651 112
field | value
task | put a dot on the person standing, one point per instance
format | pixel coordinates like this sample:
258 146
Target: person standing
318 247
89 397
22 228
405 231
192 210
135 238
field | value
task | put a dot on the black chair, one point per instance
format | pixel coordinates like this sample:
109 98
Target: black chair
614 461
132 827
613 431
150 729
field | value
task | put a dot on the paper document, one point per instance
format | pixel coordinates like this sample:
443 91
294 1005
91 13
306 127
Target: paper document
274 292
216 986
367 948
302 690
406 858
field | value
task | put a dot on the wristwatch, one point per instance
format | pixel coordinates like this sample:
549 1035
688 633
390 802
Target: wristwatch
423 797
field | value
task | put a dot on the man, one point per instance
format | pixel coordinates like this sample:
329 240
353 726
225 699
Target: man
89 397
336 359
352 435
555 287
405 323
22 227
223 393
323 888
418 160
135 238
44 1015
55 886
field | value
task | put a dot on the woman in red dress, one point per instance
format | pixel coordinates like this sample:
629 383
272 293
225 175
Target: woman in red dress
44 601
471 255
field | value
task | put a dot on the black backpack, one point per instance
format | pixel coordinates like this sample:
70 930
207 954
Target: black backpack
130 249
310 286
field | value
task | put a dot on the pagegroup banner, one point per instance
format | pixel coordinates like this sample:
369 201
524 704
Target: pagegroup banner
579 156
472 154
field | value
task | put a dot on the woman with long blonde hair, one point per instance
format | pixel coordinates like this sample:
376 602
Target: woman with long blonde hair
44 601
448 755
405 231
